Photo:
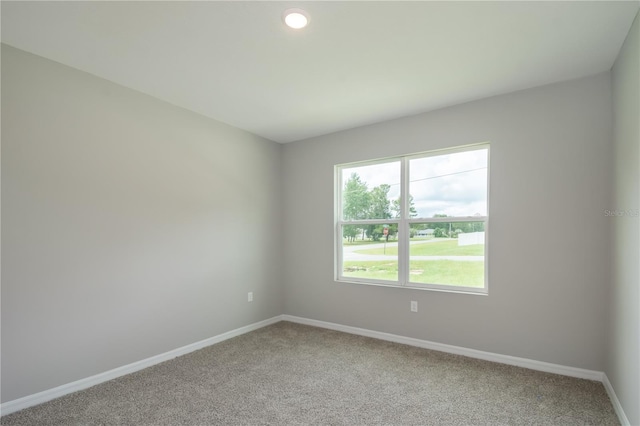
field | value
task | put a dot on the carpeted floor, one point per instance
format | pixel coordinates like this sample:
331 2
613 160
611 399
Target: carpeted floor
291 374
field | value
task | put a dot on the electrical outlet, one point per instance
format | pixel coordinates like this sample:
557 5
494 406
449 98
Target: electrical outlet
250 297
414 306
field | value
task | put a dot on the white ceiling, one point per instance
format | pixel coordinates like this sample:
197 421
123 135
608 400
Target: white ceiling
356 63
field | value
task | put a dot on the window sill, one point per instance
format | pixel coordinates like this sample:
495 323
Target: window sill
479 292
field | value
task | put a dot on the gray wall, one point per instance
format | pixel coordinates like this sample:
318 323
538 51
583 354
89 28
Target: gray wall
623 357
129 227
549 265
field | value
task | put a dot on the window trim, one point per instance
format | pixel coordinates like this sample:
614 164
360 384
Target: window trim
404 224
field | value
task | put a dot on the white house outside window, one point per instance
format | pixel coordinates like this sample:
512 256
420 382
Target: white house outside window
418 221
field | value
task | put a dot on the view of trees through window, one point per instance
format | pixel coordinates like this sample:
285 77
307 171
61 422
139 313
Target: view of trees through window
440 230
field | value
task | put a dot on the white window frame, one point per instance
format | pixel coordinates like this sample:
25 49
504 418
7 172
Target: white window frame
404 223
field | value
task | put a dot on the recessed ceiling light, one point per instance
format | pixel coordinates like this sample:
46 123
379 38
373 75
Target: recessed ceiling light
295 18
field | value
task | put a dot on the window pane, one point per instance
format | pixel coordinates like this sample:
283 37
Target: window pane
371 192
449 185
447 253
368 253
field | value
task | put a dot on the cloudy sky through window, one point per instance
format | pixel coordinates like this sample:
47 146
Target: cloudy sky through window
453 184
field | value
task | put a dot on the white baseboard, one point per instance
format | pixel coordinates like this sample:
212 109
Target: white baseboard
624 421
457 350
47 395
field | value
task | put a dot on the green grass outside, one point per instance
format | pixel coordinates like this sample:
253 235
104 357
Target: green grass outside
435 248
449 272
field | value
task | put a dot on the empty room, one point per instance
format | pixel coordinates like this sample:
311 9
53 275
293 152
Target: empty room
320 212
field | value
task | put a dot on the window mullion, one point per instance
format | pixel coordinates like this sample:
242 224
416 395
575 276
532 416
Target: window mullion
403 226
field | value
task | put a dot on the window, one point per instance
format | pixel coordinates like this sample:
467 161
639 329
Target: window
417 221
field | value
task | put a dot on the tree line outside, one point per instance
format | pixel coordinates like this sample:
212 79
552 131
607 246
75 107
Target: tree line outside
360 202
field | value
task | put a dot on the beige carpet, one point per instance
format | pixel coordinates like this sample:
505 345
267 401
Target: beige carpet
290 374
